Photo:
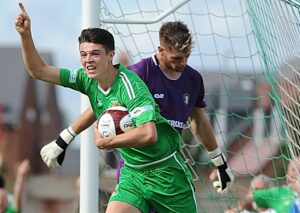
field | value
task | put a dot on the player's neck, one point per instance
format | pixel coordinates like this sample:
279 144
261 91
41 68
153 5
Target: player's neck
169 73
107 81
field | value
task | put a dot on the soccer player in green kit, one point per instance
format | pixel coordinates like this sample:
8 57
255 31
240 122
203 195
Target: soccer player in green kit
281 198
154 175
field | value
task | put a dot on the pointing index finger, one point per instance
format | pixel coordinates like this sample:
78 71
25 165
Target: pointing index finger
22 7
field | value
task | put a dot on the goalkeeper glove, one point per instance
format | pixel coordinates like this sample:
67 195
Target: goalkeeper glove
53 153
224 174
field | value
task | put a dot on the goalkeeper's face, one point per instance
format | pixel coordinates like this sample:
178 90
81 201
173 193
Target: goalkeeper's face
174 59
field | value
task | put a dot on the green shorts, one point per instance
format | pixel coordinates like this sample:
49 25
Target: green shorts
165 186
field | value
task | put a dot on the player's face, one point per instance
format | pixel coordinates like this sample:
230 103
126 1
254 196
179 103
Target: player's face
94 59
258 184
173 59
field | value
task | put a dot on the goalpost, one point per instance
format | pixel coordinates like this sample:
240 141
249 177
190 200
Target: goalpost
89 154
247 52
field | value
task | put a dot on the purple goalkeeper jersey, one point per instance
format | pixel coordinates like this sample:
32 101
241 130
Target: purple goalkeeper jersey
176 98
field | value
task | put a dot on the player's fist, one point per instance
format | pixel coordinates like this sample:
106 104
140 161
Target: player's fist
225 177
53 154
22 22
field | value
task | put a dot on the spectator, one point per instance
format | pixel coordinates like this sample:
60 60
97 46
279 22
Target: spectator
247 205
281 198
15 206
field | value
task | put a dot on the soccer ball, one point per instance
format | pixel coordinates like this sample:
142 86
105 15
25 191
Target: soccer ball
114 121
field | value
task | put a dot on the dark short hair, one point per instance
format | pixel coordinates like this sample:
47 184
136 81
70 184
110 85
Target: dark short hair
175 34
98 36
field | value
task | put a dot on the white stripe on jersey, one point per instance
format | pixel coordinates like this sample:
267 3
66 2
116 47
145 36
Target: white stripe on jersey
128 85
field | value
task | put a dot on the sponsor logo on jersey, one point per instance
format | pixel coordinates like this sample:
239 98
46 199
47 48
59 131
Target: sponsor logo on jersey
159 96
139 110
72 77
186 98
177 124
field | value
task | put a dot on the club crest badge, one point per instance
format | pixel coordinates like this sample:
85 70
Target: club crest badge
186 99
114 103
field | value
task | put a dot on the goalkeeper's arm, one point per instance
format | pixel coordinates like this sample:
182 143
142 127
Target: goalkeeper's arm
53 153
204 132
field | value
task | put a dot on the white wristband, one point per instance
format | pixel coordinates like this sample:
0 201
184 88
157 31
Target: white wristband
72 131
214 153
217 157
219 160
68 135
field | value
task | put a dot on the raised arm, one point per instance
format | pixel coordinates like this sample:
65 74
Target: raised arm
36 66
23 170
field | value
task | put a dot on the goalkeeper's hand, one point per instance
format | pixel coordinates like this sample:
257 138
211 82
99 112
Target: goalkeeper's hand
53 153
224 174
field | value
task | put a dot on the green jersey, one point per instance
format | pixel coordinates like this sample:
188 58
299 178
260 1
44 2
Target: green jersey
129 91
278 198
